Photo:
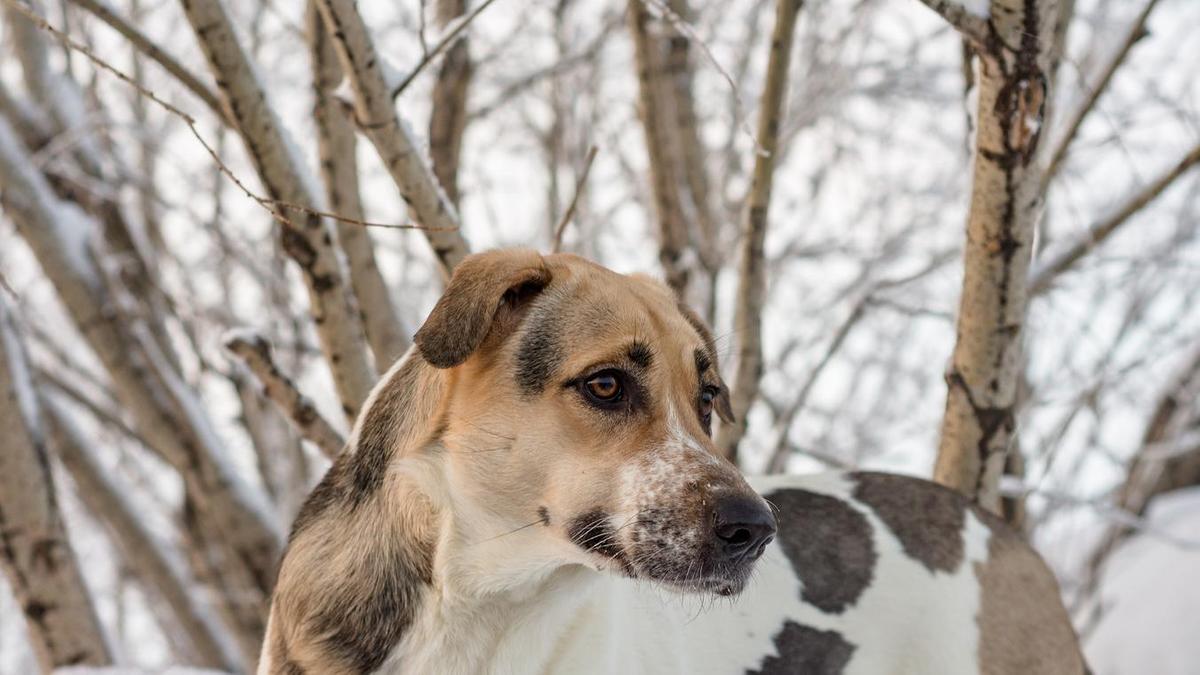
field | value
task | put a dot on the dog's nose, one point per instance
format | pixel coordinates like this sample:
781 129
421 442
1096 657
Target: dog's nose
743 527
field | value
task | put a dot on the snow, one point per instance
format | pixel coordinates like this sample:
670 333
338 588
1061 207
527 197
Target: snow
980 8
1150 599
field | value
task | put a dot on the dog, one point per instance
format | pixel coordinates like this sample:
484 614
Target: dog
532 488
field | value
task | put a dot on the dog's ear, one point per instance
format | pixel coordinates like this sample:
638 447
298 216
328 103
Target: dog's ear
722 405
486 289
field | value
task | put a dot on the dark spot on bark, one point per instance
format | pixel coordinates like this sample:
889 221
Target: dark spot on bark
829 545
807 651
927 518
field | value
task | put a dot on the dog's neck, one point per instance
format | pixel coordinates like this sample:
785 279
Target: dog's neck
488 581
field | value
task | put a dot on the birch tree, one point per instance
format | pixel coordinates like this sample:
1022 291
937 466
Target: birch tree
1012 47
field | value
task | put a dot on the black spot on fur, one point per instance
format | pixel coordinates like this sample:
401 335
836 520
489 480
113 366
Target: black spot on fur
806 650
829 545
540 351
592 532
927 518
359 628
641 355
376 441
544 515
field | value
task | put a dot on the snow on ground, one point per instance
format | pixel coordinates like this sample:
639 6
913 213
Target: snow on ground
1151 598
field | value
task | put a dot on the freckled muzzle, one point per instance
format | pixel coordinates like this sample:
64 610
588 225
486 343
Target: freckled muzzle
696 526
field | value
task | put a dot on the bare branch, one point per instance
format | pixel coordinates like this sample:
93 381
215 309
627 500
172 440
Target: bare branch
662 146
255 352
448 118
752 279
155 53
580 185
1045 273
309 243
105 499
336 145
1136 32
397 148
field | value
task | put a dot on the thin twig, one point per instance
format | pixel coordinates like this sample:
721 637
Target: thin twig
1136 32
445 43
580 184
686 30
272 206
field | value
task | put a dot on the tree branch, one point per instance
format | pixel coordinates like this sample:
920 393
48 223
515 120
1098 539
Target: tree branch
397 148
972 26
255 352
34 552
752 278
1136 32
1046 273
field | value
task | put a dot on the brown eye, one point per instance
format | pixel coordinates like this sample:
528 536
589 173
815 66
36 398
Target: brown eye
603 387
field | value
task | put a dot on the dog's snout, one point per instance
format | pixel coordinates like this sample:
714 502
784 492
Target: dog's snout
743 527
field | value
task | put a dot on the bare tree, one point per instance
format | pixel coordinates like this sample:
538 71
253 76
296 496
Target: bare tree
752 279
1012 47
34 552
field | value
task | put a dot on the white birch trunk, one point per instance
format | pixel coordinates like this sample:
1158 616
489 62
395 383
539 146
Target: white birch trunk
377 117
336 144
1012 82
309 238
34 552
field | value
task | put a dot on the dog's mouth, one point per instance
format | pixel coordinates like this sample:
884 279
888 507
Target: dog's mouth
673 557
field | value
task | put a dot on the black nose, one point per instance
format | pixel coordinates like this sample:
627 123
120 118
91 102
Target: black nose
743 527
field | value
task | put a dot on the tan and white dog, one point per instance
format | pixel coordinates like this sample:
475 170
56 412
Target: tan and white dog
532 489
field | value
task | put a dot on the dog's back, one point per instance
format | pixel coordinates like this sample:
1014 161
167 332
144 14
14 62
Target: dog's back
872 573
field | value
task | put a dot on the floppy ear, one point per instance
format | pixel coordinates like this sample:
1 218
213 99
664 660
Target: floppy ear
485 288
722 405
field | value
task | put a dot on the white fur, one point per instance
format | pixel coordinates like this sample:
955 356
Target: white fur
544 617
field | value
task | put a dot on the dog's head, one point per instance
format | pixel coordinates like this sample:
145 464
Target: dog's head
578 404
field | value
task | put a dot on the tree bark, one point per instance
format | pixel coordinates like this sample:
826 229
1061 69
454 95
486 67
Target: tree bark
662 145
307 238
105 499
34 552
336 144
1012 79
752 277
378 119
448 118
166 412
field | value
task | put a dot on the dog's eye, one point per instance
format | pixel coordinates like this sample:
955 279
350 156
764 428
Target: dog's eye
604 387
707 396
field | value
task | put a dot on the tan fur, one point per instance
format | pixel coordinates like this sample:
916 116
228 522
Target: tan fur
470 437
1023 628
